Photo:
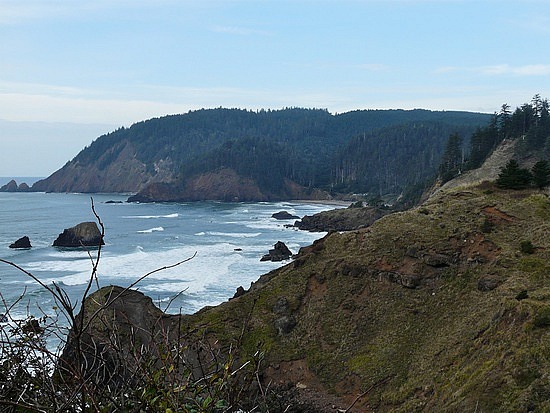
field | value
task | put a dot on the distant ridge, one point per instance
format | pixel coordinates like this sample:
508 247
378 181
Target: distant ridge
277 153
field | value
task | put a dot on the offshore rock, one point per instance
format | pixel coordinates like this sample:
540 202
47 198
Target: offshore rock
11 186
284 215
23 242
85 234
279 252
23 187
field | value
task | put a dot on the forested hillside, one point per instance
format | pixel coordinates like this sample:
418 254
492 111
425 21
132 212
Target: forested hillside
370 150
388 160
527 128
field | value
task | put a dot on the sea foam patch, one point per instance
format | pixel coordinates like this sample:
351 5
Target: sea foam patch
174 215
150 230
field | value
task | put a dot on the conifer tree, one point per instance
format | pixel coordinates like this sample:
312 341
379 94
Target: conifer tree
513 177
541 174
452 158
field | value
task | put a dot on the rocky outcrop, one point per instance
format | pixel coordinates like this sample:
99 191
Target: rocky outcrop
85 234
158 192
224 184
12 186
280 252
115 319
23 243
341 219
116 169
284 215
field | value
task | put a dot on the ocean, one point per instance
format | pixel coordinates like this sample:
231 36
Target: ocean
224 242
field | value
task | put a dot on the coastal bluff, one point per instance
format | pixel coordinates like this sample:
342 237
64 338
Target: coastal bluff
428 309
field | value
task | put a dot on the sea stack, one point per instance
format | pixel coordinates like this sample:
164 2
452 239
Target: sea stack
22 243
85 234
279 252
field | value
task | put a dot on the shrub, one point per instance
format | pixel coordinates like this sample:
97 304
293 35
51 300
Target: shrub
542 318
527 247
522 295
487 226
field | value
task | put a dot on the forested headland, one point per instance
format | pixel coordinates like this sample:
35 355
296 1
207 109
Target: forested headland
366 151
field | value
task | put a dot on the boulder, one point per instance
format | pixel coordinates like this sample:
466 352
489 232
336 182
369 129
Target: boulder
279 252
85 234
23 242
488 283
116 321
283 215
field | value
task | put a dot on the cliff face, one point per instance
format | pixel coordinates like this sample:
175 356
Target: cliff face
116 170
222 185
439 308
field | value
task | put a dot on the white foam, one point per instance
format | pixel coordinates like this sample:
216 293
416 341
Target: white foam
235 234
148 231
175 215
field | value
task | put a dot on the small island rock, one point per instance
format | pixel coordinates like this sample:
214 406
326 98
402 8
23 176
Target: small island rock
84 234
282 215
279 252
23 242
11 186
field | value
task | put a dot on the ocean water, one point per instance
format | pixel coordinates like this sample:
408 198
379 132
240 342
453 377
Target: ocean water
224 242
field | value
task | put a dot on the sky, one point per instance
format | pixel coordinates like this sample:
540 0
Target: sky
72 70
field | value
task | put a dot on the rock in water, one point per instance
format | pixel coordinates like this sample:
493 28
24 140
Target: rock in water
23 242
11 186
282 215
279 252
84 234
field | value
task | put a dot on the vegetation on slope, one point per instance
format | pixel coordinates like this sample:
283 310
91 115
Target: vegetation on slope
297 145
438 304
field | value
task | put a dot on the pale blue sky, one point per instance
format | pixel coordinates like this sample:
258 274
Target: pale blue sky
88 67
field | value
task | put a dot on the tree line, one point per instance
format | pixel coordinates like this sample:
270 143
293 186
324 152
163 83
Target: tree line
528 124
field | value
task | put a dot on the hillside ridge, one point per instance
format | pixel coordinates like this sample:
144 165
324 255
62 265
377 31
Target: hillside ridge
277 150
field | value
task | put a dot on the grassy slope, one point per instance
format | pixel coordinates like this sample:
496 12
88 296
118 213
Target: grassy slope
444 345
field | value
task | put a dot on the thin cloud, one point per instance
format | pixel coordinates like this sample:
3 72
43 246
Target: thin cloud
18 11
41 89
240 31
500 70
526 70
